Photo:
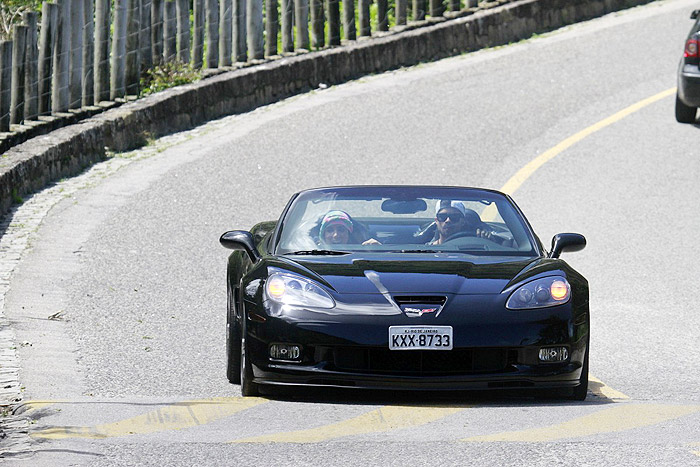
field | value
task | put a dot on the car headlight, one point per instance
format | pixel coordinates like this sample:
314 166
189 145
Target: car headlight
295 290
540 293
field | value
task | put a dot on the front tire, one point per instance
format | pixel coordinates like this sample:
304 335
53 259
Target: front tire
580 392
233 343
248 387
684 113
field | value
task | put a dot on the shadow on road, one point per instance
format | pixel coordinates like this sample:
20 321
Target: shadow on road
427 398
6 219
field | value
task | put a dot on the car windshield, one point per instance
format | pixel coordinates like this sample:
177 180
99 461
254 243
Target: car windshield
404 220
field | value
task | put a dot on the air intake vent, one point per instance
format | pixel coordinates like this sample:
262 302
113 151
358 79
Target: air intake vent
420 299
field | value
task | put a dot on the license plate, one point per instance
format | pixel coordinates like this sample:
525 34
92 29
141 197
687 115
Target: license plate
420 337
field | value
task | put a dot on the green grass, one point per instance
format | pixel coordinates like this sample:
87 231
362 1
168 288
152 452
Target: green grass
16 198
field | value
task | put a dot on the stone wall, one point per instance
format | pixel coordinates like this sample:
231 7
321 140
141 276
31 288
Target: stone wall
40 161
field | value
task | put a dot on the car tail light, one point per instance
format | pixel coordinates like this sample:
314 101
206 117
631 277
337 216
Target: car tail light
691 48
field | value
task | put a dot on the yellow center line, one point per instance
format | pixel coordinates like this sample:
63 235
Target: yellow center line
600 389
697 453
177 416
618 418
386 418
523 174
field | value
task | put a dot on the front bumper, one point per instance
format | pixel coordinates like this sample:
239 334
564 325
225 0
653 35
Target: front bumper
492 349
522 377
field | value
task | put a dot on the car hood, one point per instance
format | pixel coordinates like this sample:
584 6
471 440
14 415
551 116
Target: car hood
419 274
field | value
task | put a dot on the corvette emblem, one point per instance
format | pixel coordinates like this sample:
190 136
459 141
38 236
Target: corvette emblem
419 311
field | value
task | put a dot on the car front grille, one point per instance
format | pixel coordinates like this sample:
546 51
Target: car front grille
420 362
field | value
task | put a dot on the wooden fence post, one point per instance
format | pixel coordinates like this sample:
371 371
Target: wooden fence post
225 31
146 52
198 39
118 59
170 32
89 54
287 26
47 41
418 10
183 30
31 81
101 50
5 84
454 5
271 27
133 62
302 21
157 28
401 12
333 7
212 27
472 3
436 8
382 15
363 17
240 34
349 19
60 92
77 18
19 57
254 15
317 24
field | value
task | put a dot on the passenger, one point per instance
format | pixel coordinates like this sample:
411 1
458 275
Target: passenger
451 218
338 228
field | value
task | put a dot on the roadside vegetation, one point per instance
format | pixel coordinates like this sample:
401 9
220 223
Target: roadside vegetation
168 75
11 13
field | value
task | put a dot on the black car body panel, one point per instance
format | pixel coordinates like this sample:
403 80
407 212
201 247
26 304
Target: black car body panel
689 84
348 345
689 70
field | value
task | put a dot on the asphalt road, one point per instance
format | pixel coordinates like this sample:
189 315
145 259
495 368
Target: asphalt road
131 371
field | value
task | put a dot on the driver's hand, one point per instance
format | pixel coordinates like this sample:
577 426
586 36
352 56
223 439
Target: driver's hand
483 233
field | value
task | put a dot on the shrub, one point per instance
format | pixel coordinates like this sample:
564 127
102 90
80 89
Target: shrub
168 75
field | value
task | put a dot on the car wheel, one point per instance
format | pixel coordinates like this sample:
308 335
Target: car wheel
248 387
233 343
579 392
684 113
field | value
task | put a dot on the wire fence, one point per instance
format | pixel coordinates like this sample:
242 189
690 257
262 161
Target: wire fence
78 53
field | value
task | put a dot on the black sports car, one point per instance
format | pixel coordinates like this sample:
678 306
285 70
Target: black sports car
405 287
688 94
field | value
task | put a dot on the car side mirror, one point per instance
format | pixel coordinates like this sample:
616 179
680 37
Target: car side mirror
240 240
568 242
694 14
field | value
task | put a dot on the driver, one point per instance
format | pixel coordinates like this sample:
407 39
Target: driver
451 218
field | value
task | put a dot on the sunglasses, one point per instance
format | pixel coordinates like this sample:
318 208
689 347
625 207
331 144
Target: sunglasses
455 216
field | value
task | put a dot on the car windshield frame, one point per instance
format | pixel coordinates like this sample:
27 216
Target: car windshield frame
406 192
